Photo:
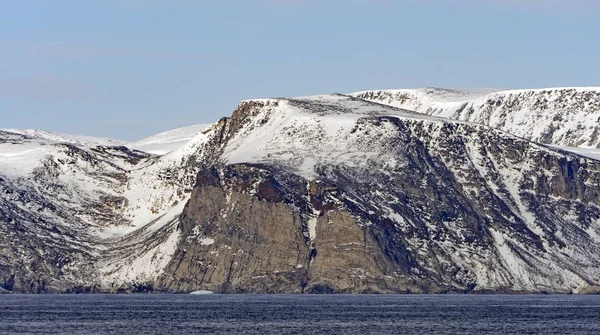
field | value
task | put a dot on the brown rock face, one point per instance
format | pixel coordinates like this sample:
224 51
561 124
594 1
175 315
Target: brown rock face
238 241
245 231
347 259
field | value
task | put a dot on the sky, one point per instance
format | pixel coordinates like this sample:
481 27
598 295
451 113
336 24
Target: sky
128 69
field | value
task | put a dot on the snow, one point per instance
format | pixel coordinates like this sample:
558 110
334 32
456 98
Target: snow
424 99
77 182
512 263
564 116
196 236
579 89
206 241
306 132
19 160
525 279
81 140
168 141
592 153
312 228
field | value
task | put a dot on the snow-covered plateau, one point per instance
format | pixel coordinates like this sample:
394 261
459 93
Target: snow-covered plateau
382 191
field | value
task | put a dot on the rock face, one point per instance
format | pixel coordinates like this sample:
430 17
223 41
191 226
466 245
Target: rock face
239 236
324 194
560 116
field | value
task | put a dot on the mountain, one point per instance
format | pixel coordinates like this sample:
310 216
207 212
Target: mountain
79 140
568 117
78 219
318 194
168 141
384 200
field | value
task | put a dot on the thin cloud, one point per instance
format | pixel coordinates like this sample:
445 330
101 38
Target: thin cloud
44 87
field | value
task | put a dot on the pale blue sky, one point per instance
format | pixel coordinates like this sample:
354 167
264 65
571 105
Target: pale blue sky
132 68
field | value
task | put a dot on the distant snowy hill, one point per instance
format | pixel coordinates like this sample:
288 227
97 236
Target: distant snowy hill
168 141
158 144
568 117
67 138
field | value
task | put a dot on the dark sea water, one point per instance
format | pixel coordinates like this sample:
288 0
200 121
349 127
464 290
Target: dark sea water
294 314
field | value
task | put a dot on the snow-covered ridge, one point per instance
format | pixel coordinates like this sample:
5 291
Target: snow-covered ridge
567 116
168 141
592 153
434 94
158 144
306 132
81 140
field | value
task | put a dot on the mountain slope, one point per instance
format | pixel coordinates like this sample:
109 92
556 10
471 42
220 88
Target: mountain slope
84 218
568 117
168 141
380 199
79 140
53 197
315 194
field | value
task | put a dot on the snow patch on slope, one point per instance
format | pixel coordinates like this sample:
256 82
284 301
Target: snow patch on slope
19 160
168 141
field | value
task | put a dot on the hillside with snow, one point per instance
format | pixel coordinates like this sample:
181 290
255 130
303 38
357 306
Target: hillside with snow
320 194
93 203
168 141
567 117
81 140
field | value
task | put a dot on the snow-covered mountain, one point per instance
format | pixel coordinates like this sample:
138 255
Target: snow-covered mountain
80 140
76 217
380 199
568 117
168 141
327 193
